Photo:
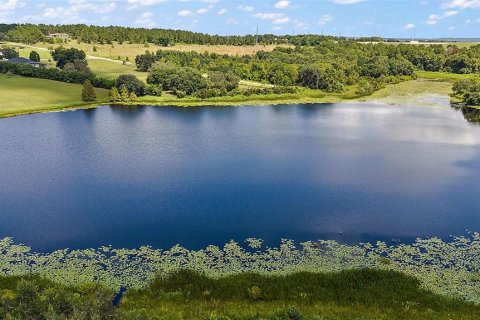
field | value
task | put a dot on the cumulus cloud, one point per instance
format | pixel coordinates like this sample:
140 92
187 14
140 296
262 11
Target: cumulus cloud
10 5
282 4
185 13
277 18
408 26
146 19
325 19
347 1
461 4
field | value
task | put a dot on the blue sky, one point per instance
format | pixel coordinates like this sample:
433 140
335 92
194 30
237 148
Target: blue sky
390 18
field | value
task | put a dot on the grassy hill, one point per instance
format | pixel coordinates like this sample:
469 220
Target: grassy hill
19 95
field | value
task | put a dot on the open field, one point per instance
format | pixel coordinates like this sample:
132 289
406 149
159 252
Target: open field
112 69
122 51
19 95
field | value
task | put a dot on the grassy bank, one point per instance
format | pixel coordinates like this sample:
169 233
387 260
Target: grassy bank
365 294
20 95
17 92
353 294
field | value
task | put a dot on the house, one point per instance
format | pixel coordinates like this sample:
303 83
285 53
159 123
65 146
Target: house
27 61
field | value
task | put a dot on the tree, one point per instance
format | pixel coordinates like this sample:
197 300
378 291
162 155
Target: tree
175 78
9 53
132 83
124 96
34 56
144 62
132 96
88 93
223 80
79 66
63 56
114 95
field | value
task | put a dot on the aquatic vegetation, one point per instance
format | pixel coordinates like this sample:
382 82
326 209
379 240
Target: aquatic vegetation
450 268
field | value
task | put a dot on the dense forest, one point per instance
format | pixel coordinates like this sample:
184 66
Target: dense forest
29 33
331 66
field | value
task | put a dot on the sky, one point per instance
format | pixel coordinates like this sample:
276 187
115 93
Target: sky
386 18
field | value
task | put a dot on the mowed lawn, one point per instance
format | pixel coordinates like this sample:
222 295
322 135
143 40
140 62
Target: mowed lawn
26 95
112 69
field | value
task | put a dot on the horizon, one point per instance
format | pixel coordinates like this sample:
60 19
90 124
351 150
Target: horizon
419 19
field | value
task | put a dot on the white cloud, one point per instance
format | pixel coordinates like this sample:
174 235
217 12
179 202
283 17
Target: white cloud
10 5
222 11
325 19
146 20
408 26
202 10
282 4
347 1
185 13
145 2
461 4
433 19
245 8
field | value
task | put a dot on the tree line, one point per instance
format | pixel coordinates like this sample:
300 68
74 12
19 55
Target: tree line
31 33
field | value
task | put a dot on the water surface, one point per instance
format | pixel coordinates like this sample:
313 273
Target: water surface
197 176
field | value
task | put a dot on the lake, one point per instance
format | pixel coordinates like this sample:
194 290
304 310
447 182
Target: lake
132 176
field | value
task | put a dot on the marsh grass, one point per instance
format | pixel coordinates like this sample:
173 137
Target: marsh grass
350 294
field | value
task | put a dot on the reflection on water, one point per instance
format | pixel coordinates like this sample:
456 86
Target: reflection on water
129 176
470 114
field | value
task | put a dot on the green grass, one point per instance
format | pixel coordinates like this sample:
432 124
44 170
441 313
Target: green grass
443 76
111 70
352 294
20 95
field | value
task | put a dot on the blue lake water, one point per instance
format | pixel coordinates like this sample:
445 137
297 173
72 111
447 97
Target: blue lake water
196 176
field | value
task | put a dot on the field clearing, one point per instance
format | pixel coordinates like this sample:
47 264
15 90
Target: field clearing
111 70
123 51
19 95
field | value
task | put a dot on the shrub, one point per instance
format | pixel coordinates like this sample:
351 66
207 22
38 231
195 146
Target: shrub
153 90
180 94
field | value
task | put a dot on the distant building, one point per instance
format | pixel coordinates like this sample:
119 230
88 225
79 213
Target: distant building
27 61
58 35
414 42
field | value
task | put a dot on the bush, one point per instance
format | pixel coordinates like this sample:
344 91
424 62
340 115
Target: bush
180 94
153 90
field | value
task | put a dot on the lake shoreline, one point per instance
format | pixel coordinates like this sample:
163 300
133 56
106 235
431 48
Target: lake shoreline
392 95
